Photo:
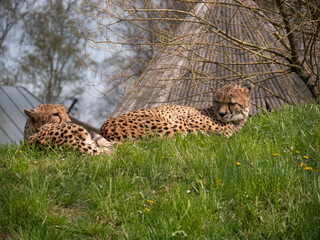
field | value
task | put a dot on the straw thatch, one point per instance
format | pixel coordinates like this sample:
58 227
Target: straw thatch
221 42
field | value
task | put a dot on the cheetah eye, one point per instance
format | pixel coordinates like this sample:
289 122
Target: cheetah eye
56 114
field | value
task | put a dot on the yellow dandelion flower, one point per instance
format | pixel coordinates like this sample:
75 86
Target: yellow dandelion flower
306 157
275 154
147 209
20 152
238 163
219 182
316 170
297 152
150 201
308 168
302 164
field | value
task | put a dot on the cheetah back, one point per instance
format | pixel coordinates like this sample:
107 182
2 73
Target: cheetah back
227 115
65 134
159 121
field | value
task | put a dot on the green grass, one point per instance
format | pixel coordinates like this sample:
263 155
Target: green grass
174 188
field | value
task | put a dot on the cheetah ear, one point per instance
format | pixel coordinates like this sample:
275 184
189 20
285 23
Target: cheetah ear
30 114
250 88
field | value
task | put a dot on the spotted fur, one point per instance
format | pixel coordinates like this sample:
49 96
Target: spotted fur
49 124
228 113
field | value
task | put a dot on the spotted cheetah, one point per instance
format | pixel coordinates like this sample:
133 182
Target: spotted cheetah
228 113
50 124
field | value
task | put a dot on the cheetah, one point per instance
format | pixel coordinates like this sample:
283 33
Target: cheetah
228 113
50 124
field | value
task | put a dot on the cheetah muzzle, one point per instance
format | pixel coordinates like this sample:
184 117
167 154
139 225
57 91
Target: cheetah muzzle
227 114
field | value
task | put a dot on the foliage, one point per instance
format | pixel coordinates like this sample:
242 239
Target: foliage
135 30
40 49
297 25
129 38
262 183
53 60
12 13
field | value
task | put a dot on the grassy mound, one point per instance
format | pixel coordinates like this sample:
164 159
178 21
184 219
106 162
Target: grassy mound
262 183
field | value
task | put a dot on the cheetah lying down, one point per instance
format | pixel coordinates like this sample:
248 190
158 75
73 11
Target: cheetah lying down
228 113
50 124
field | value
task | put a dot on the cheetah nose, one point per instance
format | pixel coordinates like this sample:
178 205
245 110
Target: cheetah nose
222 114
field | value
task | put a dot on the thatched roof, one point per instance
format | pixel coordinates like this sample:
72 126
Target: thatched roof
221 42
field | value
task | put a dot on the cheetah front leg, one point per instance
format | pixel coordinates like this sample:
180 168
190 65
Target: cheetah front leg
101 142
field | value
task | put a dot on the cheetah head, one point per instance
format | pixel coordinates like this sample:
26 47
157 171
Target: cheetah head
46 113
231 103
